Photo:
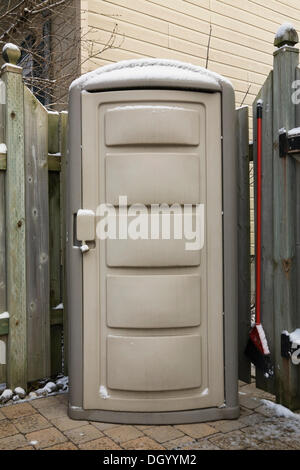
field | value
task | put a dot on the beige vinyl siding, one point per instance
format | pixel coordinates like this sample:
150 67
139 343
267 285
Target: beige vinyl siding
241 46
241 39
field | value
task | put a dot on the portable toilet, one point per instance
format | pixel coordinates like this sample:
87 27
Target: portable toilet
152 320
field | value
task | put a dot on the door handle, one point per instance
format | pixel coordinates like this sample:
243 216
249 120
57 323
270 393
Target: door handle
85 229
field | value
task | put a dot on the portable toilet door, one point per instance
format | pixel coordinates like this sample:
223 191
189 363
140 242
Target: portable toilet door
152 318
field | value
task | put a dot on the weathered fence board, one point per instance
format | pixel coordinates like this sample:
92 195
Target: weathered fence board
63 151
4 324
31 243
55 247
280 224
267 291
287 380
243 240
297 189
37 239
15 227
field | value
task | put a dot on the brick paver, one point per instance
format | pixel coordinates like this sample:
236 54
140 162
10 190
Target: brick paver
252 419
180 443
123 433
18 410
64 423
44 424
197 430
45 438
43 402
142 443
163 433
27 424
249 402
7 428
63 446
235 440
106 426
56 411
26 448
83 434
13 442
103 443
228 425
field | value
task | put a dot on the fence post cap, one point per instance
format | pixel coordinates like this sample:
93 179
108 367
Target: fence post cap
286 35
11 53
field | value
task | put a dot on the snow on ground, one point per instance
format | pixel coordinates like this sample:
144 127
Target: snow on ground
58 307
280 411
59 386
3 148
4 315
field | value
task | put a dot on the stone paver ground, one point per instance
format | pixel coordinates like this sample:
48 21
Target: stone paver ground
44 424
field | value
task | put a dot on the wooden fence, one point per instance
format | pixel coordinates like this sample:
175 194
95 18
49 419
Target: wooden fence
32 156
280 306
32 166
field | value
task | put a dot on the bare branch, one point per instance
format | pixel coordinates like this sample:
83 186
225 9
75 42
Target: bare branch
208 46
245 96
47 6
51 40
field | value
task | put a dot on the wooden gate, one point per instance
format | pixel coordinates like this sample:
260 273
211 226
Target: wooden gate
32 158
280 306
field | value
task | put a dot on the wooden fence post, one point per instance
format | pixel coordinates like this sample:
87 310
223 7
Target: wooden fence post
15 219
298 203
244 289
3 338
286 59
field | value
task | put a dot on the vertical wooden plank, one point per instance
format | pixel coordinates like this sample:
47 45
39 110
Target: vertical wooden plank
297 216
53 132
287 377
55 269
55 244
2 264
267 292
15 227
63 150
244 286
3 339
2 224
37 230
56 349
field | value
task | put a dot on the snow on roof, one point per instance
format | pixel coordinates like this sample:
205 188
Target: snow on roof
146 72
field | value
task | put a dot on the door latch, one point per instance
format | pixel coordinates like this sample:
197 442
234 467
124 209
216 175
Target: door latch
289 143
85 228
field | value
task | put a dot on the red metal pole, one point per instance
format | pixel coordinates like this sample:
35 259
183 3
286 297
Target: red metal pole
258 213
